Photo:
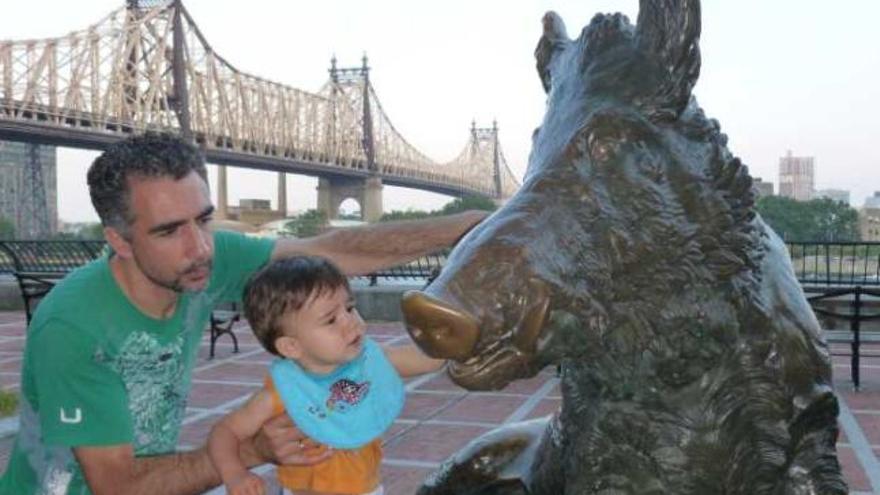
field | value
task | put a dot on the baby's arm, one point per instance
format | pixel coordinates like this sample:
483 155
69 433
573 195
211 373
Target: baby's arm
226 438
408 360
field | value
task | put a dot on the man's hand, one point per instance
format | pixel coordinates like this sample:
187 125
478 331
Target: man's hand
281 442
250 484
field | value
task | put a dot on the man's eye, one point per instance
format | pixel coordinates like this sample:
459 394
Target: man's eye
331 321
206 220
350 308
167 233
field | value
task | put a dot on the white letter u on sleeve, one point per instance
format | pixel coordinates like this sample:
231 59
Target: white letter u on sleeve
71 420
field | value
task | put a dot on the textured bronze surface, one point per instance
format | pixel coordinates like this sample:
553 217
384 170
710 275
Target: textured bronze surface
632 256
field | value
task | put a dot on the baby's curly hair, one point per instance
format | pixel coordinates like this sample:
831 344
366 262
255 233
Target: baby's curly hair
283 286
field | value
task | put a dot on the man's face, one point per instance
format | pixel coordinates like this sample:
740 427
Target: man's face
170 238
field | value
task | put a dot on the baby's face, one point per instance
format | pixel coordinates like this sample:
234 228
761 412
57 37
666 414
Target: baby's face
327 330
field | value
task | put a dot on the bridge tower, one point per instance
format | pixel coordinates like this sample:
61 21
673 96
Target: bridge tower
489 135
33 211
367 191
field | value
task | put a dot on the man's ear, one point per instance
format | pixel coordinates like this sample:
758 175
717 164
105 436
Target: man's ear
288 347
120 245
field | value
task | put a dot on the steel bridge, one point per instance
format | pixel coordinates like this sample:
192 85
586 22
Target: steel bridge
147 67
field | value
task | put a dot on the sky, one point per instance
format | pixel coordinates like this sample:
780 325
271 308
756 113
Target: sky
799 75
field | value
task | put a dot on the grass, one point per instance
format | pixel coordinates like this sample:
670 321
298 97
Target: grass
8 403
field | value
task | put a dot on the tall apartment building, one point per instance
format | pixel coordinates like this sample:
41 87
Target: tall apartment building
796 177
14 157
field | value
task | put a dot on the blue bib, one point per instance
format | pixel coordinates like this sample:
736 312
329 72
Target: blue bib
346 408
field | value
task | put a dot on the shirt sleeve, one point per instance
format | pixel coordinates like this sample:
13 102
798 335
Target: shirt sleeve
81 400
236 258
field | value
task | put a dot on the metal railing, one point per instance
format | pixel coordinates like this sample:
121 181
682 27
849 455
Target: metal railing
841 281
836 263
47 256
62 256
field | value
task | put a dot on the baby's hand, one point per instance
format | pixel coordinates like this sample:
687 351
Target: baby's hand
250 484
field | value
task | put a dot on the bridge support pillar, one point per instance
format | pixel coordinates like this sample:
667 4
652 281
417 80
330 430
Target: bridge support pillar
367 192
282 194
222 194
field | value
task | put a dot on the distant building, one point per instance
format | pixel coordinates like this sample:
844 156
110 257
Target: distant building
254 212
796 177
762 188
869 224
13 157
873 201
839 195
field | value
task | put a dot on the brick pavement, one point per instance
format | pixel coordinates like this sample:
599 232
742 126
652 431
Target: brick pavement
440 418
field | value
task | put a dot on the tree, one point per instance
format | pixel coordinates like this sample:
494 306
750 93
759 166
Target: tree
307 224
457 205
464 203
815 220
405 215
7 228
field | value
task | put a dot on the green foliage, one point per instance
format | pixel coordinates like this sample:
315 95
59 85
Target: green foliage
91 231
465 203
8 403
815 220
7 228
404 215
83 232
308 224
457 205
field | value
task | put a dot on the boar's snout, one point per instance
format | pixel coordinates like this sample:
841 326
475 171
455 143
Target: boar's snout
441 331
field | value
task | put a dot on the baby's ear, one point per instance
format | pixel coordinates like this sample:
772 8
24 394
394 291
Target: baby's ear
288 347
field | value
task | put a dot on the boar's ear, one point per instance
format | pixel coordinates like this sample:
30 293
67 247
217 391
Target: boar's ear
668 32
554 39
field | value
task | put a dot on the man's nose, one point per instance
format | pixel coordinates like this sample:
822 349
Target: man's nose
198 243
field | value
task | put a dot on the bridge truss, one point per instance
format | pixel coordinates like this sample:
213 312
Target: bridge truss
147 67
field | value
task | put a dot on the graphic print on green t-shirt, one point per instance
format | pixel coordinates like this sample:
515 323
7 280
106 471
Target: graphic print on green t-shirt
154 376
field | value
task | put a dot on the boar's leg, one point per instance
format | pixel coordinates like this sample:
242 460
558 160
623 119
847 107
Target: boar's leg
500 462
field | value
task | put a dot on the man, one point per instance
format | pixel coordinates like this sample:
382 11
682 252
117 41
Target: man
110 351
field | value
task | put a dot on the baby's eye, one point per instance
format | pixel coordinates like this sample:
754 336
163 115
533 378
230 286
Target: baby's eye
331 321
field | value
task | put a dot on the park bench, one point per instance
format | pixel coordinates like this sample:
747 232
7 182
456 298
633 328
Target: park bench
38 265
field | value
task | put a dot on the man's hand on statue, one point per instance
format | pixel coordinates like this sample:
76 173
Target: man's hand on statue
281 442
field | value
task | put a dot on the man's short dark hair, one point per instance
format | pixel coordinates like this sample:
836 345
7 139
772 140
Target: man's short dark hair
148 155
283 286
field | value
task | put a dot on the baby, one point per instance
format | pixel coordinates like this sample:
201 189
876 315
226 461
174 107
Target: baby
339 387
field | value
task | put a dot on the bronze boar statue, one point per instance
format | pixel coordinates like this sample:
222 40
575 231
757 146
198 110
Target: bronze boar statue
632 257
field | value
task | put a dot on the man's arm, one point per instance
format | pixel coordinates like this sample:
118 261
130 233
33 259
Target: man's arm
115 469
363 250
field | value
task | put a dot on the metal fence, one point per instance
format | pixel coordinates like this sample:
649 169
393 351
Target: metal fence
61 256
815 263
47 256
836 263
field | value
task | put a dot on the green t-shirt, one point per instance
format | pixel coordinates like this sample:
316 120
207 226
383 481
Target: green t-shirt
97 371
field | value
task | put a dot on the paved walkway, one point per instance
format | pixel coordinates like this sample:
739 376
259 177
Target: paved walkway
440 418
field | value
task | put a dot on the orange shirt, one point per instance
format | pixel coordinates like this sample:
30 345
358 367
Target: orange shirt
354 471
